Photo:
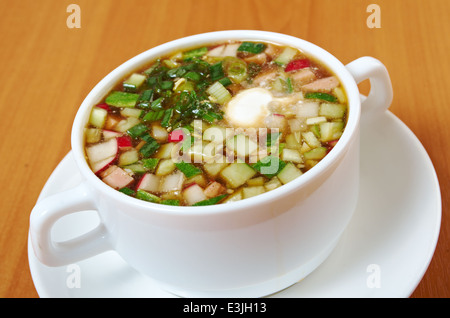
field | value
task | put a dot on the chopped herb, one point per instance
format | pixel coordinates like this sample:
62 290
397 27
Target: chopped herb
170 202
252 47
168 113
147 196
195 53
157 104
322 96
188 169
127 191
150 147
150 163
269 166
211 201
216 71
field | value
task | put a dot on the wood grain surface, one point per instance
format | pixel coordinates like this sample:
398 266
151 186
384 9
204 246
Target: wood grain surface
47 68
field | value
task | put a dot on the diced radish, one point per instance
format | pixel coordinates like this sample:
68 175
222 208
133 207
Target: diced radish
108 134
302 77
124 142
118 178
275 121
297 64
214 189
99 166
173 182
149 182
193 194
102 153
310 109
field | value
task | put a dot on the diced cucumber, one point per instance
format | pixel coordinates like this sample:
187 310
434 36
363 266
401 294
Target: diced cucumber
249 192
211 201
289 173
292 155
97 117
236 196
331 131
315 154
165 167
135 168
340 94
311 139
215 134
128 157
93 135
126 124
131 112
286 56
150 163
258 181
165 151
292 142
236 174
122 99
134 81
332 111
272 184
214 168
316 120
242 145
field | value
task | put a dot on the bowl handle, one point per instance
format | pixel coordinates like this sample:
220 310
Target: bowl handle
49 210
380 95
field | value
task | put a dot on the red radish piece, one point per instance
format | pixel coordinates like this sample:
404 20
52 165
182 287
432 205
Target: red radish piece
176 135
117 178
297 64
193 193
101 155
104 106
124 142
149 182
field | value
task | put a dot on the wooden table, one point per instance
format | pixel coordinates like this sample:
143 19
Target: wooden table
47 68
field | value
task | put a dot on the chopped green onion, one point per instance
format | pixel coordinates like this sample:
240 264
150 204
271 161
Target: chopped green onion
195 53
216 71
150 163
168 113
322 96
236 69
194 76
157 104
170 202
219 93
165 85
188 169
127 191
145 98
251 47
150 147
137 130
147 196
225 81
210 201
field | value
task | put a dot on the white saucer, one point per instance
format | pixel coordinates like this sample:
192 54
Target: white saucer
384 252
